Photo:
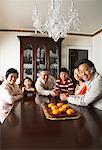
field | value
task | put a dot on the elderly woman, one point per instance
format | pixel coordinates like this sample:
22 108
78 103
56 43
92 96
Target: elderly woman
9 91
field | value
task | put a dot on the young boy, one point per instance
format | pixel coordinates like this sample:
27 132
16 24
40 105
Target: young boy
64 84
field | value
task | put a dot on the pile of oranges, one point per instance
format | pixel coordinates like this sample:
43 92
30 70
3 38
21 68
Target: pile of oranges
60 108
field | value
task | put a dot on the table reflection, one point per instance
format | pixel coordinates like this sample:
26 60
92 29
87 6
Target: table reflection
27 125
12 119
92 122
41 99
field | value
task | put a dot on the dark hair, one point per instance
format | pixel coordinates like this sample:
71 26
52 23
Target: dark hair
64 70
32 84
75 81
28 79
11 70
85 61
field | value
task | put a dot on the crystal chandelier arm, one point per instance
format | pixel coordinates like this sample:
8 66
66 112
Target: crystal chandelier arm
73 18
72 5
53 4
36 19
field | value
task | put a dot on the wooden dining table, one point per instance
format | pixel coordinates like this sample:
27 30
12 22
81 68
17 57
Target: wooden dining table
26 128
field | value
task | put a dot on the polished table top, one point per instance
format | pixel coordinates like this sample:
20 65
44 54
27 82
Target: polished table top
27 128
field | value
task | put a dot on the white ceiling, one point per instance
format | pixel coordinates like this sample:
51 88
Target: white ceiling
17 14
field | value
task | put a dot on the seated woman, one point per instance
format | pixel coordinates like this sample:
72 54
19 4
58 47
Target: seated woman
93 82
9 91
64 84
81 87
28 87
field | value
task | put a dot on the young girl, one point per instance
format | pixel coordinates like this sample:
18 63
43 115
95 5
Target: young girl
28 88
80 88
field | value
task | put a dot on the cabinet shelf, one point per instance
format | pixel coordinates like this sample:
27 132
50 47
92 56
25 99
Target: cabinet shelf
43 53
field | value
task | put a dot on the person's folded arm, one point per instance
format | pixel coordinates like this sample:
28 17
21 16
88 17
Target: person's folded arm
41 90
94 93
17 97
9 97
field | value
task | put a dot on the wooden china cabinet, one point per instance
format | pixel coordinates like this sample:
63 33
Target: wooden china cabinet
37 53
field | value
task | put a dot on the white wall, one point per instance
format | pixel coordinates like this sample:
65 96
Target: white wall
97 51
10 49
75 42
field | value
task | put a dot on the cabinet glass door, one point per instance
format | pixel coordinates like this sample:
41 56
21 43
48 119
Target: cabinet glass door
37 53
41 62
28 62
53 61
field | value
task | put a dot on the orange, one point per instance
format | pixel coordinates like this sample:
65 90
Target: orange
51 104
55 111
59 104
61 109
70 111
54 107
65 106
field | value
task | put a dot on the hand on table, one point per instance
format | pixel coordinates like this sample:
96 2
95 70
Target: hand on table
63 96
53 93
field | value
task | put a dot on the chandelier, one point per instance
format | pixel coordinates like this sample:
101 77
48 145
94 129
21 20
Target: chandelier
56 25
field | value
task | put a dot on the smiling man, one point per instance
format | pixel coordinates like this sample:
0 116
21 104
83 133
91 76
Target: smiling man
93 81
45 83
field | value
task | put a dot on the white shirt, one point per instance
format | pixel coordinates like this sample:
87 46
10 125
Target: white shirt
93 94
40 85
9 93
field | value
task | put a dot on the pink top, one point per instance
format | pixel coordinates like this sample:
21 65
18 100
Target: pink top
80 89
